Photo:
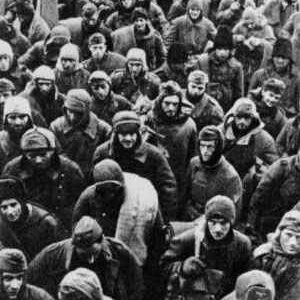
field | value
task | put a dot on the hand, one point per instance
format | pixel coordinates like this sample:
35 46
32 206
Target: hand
192 267
239 38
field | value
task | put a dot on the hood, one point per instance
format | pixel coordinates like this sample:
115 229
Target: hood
6 49
7 30
68 51
137 54
290 220
195 3
84 281
108 171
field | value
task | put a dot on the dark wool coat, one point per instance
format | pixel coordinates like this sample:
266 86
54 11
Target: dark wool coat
147 84
232 255
205 182
122 277
206 111
75 80
288 140
242 153
105 110
226 79
110 62
80 144
37 231
148 162
126 38
277 192
179 141
57 189
291 97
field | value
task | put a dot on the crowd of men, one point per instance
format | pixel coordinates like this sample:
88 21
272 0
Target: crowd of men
150 149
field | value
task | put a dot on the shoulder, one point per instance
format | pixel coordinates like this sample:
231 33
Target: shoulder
58 123
71 21
37 293
117 74
262 250
123 30
14 163
242 239
69 165
179 20
153 78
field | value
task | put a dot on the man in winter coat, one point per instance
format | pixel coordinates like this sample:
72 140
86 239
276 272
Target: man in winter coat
210 174
267 100
45 52
43 94
277 192
113 262
69 73
17 119
281 67
174 68
226 76
9 68
13 274
135 80
280 257
215 243
82 284
105 103
32 25
79 131
142 35
101 58
178 130
24 225
50 179
134 155
192 28
254 284
245 139
206 111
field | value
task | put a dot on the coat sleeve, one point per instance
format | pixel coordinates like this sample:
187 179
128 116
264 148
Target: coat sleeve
289 25
281 140
160 51
171 35
81 208
263 192
266 148
238 83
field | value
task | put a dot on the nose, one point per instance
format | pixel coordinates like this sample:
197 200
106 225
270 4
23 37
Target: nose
217 227
15 283
18 121
293 241
10 210
38 159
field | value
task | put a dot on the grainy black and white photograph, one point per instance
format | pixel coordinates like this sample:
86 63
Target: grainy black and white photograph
149 149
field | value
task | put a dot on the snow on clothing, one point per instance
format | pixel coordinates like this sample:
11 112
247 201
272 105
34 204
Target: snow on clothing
277 192
151 42
204 182
79 144
121 278
226 79
137 216
148 162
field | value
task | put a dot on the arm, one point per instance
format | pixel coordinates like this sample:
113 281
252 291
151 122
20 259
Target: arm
238 84
171 35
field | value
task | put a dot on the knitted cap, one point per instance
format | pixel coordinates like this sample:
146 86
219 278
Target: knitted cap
275 85
139 12
43 72
16 105
291 220
198 77
97 38
254 278
6 49
88 10
98 76
108 170
11 188
12 260
211 133
38 138
69 51
6 85
84 281
78 100
125 117
86 232
283 47
177 54
61 32
137 54
220 207
223 39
